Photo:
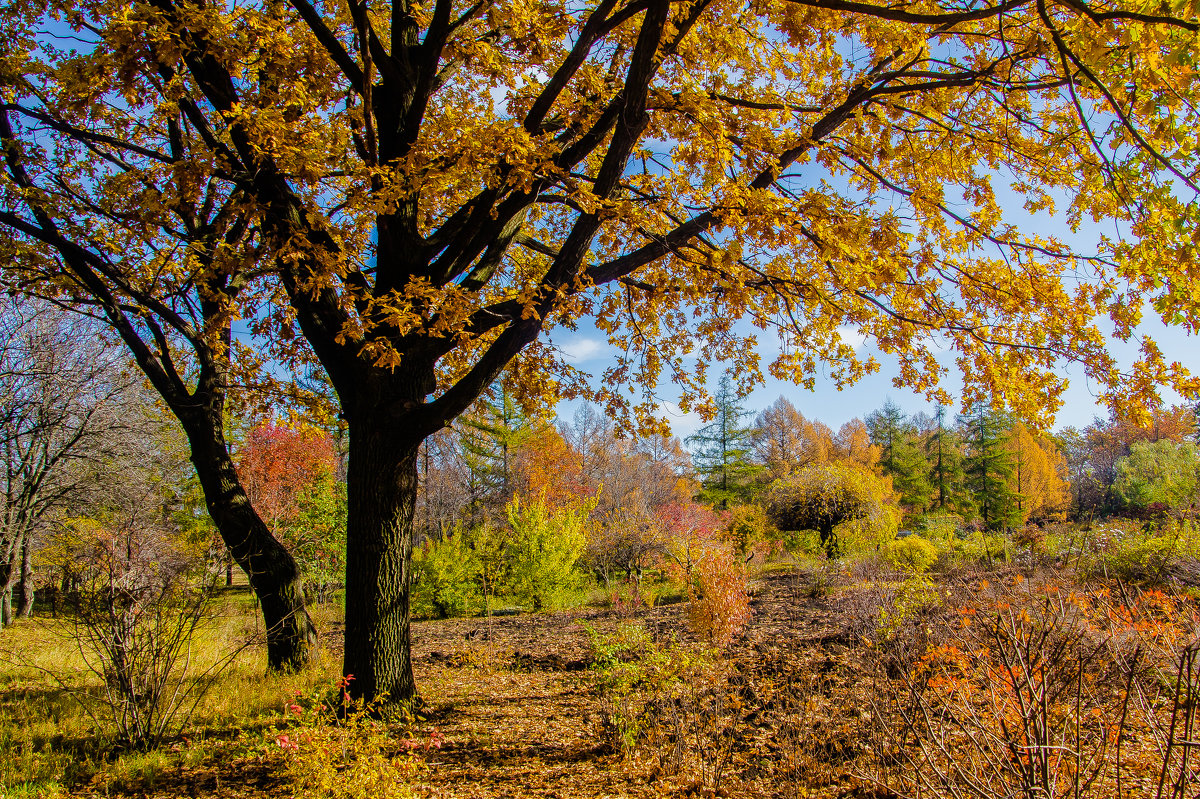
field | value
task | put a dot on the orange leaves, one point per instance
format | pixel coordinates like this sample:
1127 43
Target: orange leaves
720 605
279 462
546 466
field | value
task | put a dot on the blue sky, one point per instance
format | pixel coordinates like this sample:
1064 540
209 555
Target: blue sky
587 349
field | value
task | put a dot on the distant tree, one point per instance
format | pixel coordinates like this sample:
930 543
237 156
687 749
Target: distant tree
911 473
1039 473
853 445
989 466
824 496
1093 452
278 462
1162 472
784 441
444 495
633 479
900 455
722 449
545 465
887 427
690 530
290 474
944 453
67 405
490 434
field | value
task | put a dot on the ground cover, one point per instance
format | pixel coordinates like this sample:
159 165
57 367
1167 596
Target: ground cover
846 682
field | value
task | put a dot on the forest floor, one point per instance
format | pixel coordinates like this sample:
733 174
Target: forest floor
518 706
512 704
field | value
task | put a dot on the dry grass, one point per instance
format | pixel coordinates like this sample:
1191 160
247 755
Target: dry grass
805 703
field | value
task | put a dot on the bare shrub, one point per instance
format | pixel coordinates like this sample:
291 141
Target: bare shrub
1044 692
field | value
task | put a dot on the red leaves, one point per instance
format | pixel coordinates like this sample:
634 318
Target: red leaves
279 462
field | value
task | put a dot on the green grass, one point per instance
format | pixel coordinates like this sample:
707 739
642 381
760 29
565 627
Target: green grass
54 734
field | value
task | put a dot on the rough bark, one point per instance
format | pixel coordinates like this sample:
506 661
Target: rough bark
10 572
25 587
381 492
273 573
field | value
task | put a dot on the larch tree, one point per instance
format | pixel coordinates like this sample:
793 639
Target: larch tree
785 441
414 194
1039 473
722 448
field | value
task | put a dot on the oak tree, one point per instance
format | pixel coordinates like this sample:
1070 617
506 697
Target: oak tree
413 194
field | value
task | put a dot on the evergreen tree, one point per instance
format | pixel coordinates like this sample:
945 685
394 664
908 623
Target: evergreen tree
943 451
900 456
910 475
887 426
989 466
490 438
722 449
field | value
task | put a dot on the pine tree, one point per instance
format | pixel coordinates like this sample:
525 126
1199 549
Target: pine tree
722 449
887 427
900 457
943 450
989 466
910 477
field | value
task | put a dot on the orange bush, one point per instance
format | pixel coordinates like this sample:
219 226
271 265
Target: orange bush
720 604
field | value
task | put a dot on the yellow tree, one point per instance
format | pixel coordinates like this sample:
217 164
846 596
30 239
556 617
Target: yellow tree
785 441
1039 472
413 194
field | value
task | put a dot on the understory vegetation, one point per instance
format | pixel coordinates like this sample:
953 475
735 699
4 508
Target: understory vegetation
1061 666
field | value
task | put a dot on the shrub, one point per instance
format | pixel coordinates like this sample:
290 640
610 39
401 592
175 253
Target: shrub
1045 692
941 529
339 750
543 551
749 527
447 572
631 669
912 555
1137 553
720 605
142 599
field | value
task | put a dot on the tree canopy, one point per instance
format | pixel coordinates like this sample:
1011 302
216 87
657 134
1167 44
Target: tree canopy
413 194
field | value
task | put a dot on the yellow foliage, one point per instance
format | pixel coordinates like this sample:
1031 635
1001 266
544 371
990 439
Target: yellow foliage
1039 474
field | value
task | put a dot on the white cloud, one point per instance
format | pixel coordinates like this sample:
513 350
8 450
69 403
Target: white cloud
682 424
852 336
579 350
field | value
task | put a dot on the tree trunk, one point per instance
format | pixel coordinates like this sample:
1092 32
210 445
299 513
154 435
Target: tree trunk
25 588
828 539
381 498
10 570
274 576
